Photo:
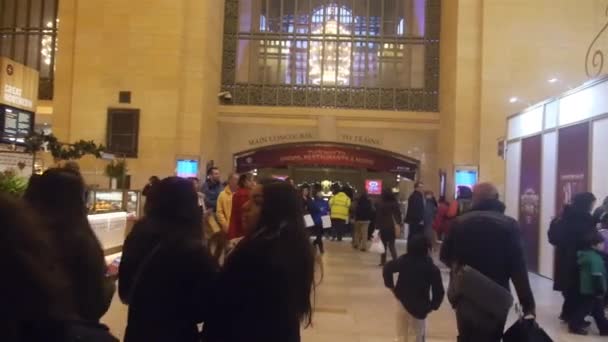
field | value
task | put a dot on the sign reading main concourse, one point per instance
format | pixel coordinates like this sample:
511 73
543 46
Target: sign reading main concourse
18 85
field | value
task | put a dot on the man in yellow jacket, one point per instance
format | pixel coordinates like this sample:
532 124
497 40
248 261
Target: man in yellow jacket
219 241
340 209
224 202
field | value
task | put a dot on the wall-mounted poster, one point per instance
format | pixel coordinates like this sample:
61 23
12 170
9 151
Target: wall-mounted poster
572 163
529 197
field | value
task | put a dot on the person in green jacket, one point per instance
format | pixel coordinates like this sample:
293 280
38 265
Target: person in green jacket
340 209
592 272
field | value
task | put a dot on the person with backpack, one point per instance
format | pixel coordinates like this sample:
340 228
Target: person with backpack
566 233
592 287
166 276
488 241
419 287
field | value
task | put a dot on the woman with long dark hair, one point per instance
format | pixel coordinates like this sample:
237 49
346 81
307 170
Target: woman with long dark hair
58 197
166 276
566 233
388 214
264 291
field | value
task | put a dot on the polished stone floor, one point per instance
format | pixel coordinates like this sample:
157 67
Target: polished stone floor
352 305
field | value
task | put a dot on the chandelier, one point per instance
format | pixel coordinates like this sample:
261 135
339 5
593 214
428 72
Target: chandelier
330 61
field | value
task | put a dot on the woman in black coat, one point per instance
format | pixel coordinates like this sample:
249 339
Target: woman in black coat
388 215
58 197
566 234
264 290
166 276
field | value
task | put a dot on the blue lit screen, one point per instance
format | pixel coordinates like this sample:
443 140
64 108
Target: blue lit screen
187 168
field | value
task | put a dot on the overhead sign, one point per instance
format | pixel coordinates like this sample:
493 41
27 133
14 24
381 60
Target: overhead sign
326 154
18 85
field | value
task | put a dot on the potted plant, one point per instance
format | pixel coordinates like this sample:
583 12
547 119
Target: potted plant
116 170
12 184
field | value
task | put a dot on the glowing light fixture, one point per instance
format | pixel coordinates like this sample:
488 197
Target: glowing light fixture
330 61
552 80
513 99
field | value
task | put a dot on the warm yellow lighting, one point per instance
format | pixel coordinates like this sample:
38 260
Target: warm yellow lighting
335 61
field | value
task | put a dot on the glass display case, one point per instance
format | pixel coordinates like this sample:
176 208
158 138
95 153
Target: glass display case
101 201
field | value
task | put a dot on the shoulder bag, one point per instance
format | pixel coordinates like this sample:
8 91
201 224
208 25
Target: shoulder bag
140 270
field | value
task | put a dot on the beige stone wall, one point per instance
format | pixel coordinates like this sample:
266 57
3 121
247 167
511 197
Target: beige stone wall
167 53
526 43
493 50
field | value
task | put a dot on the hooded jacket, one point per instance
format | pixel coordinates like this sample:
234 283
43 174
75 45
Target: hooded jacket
419 286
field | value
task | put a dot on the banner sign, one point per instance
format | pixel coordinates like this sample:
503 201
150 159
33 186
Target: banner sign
529 198
323 154
18 85
572 163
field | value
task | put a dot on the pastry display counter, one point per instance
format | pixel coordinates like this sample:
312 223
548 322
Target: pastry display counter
110 214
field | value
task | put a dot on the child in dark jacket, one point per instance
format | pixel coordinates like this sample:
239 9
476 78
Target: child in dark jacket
419 287
592 286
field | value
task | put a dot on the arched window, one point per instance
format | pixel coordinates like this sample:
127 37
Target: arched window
376 54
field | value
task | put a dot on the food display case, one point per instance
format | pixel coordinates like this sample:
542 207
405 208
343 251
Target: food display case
102 201
110 212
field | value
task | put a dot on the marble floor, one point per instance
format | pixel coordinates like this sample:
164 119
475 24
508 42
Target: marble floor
352 304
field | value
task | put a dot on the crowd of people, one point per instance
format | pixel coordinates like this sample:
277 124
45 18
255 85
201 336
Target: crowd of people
237 258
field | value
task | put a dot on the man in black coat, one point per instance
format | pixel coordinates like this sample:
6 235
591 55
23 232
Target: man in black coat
488 241
415 210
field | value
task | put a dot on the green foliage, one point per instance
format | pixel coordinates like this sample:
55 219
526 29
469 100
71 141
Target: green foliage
116 169
12 184
61 151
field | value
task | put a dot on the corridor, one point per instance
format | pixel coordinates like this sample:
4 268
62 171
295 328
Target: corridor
352 304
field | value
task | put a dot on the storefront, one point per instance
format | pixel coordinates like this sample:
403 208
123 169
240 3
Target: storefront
555 149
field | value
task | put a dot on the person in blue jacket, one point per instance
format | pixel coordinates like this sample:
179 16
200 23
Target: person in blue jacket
317 209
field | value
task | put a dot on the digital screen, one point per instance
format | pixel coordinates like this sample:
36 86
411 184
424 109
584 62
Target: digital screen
465 178
187 168
373 187
16 124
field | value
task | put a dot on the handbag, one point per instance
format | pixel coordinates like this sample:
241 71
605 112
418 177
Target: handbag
478 299
397 226
139 272
526 330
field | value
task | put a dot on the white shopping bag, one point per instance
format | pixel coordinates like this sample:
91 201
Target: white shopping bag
308 221
377 246
326 221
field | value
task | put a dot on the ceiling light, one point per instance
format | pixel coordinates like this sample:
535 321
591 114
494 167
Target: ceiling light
513 99
552 80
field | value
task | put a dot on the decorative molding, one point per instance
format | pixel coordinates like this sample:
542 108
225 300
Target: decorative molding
594 62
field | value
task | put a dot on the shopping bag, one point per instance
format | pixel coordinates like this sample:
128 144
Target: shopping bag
326 220
308 221
526 330
377 246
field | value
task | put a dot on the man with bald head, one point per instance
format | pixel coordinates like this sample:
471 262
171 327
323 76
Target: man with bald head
489 241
